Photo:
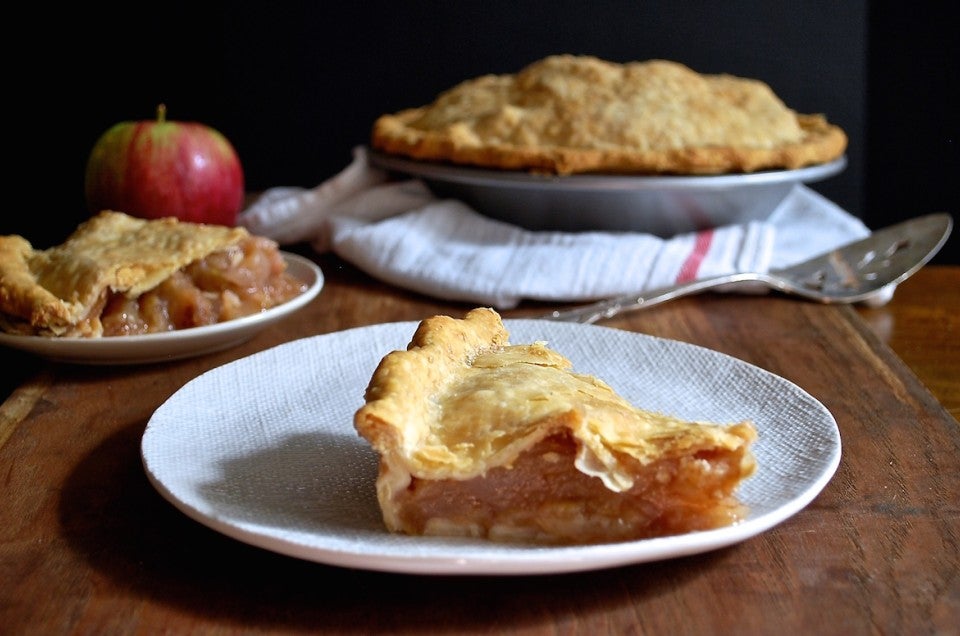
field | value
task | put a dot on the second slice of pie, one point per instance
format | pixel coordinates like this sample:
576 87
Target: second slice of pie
119 275
479 437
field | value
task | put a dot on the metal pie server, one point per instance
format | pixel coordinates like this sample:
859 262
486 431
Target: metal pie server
847 274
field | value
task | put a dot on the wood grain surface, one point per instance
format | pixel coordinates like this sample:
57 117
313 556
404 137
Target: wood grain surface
87 546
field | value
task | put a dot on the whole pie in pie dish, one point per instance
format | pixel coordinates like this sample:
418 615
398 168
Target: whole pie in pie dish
118 275
569 114
482 438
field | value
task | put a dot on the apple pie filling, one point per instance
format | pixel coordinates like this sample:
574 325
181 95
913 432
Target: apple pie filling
542 497
238 281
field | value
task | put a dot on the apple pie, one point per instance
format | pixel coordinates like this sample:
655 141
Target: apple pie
118 275
482 438
569 114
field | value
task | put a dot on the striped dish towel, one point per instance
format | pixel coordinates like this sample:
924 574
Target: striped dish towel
397 231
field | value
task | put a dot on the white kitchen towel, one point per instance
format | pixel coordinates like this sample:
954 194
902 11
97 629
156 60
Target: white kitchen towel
399 232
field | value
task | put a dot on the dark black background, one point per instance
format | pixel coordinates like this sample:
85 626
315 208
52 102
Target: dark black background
295 86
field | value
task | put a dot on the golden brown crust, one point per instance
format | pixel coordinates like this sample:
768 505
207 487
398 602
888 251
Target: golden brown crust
461 405
576 114
52 291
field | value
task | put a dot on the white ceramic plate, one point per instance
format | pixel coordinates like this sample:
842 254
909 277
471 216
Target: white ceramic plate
263 449
663 205
173 345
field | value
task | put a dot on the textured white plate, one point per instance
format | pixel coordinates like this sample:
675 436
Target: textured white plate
263 449
172 345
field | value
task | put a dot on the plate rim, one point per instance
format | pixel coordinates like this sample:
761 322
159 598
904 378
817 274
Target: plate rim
489 177
535 559
117 349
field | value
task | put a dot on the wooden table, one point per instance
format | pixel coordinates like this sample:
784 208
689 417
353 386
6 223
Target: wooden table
87 546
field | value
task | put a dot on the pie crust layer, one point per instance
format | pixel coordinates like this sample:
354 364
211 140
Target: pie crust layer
569 114
479 437
121 275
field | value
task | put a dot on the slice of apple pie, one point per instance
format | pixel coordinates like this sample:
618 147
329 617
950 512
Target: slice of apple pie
119 275
479 437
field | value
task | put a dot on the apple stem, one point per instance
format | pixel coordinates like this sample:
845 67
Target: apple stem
161 113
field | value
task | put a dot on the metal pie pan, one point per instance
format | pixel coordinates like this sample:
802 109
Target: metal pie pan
663 205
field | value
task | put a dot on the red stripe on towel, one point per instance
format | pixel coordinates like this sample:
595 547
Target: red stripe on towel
690 267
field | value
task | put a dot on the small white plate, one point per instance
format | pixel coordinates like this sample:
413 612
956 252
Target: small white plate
263 449
172 345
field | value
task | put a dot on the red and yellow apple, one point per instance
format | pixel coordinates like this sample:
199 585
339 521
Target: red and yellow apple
158 168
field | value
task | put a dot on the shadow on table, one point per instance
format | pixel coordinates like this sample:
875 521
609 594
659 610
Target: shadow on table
112 516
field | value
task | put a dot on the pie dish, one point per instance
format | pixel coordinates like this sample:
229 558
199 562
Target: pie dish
118 275
568 114
663 205
478 437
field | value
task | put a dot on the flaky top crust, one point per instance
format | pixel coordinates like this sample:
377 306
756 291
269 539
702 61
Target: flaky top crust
570 114
461 400
55 289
